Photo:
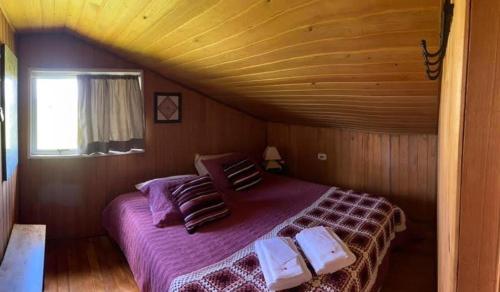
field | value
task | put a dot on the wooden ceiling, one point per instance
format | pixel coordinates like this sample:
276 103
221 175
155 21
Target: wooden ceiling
343 63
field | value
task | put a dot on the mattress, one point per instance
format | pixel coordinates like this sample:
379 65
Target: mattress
170 259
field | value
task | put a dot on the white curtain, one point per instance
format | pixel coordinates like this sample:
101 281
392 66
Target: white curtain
110 113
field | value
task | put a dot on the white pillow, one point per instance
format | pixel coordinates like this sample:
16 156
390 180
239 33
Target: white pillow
139 186
200 168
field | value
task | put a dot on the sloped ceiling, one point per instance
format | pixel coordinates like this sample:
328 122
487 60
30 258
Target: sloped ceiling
344 63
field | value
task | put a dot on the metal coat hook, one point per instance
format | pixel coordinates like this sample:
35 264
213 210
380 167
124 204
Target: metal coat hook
434 61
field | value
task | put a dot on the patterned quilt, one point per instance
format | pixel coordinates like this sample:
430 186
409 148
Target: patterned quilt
366 223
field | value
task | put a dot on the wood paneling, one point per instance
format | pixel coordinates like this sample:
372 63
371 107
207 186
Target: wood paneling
8 210
479 236
399 166
270 58
450 147
469 147
8 189
69 194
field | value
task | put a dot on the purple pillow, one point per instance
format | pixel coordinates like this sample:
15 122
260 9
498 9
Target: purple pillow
215 168
163 210
198 201
243 174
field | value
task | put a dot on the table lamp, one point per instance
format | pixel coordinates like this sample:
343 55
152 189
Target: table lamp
272 158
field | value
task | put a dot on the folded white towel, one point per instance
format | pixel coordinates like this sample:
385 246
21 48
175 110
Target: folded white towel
278 250
281 263
326 252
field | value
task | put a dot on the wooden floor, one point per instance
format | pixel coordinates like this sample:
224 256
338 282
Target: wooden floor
413 265
96 264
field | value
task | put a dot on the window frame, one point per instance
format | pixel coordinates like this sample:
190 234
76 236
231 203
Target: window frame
35 73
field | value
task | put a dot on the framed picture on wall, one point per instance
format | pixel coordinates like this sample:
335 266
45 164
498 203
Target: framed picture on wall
168 107
8 111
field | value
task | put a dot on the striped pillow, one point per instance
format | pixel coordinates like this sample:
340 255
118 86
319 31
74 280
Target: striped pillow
242 174
198 202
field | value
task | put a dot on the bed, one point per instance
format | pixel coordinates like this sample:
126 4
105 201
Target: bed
220 256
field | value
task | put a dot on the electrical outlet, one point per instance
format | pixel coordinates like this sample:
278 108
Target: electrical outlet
322 156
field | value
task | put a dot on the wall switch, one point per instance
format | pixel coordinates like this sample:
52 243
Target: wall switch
322 156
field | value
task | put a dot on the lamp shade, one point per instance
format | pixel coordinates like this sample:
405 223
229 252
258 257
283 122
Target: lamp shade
271 153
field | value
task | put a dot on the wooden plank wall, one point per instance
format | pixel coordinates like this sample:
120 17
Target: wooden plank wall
399 166
479 236
450 147
69 194
8 189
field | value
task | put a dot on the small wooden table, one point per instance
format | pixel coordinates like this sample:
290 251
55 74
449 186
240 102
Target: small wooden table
22 265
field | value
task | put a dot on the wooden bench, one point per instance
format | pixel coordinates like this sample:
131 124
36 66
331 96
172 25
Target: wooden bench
22 266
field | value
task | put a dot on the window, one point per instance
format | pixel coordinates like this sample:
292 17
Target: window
55 113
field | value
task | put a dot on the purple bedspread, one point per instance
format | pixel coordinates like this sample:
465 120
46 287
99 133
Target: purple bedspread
158 255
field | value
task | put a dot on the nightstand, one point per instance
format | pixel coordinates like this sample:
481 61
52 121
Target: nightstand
282 171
